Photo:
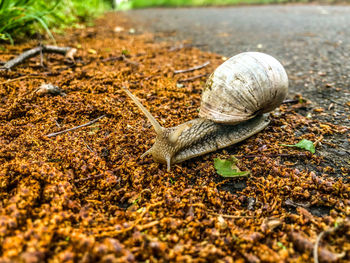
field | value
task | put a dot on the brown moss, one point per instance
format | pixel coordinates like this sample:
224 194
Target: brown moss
87 196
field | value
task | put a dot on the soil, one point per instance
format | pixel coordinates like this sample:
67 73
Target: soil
87 196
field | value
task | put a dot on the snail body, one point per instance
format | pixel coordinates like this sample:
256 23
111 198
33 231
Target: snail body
235 103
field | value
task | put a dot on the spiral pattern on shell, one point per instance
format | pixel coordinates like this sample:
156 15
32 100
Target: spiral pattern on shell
244 86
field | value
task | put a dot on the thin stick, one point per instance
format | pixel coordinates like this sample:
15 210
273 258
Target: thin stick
149 225
113 58
76 127
303 244
316 246
88 147
57 124
193 78
121 58
149 77
22 77
272 155
318 240
130 62
33 52
41 56
192 69
295 204
136 223
231 216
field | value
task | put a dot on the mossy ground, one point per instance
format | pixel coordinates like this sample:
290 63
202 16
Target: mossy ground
87 196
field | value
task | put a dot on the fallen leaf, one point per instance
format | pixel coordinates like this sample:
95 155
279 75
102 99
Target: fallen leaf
125 52
303 144
228 168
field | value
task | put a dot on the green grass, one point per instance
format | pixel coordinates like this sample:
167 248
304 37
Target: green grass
21 18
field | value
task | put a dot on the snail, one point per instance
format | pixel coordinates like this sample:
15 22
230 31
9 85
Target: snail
235 105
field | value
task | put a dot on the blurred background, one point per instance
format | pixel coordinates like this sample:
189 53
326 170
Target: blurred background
20 19
178 3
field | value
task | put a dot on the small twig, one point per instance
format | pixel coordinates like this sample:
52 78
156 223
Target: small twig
130 62
316 246
121 58
136 222
193 78
57 124
301 243
41 56
22 77
272 155
76 127
88 147
149 77
33 52
319 237
148 225
192 69
290 202
231 216
113 58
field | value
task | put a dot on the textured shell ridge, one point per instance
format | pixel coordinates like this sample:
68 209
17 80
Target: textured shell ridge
278 79
245 85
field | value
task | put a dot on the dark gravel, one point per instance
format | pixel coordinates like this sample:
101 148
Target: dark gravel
312 42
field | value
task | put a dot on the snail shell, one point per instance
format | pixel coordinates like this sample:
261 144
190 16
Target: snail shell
244 86
235 102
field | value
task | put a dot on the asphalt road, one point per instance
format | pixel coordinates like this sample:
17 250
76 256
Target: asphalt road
312 42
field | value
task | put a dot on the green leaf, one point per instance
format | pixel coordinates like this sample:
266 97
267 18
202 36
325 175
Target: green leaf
280 244
303 144
228 168
125 52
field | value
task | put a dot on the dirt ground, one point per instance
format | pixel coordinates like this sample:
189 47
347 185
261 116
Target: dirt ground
86 196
